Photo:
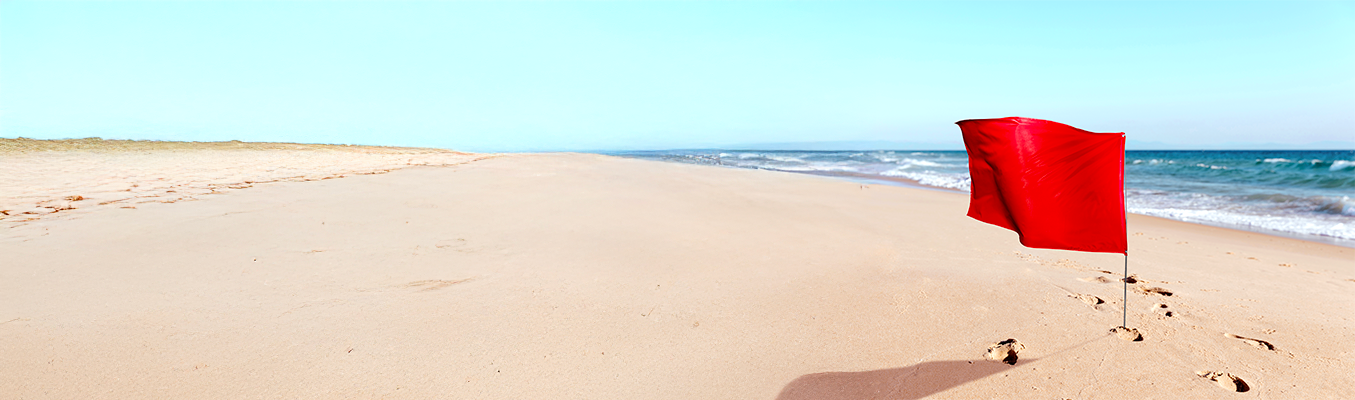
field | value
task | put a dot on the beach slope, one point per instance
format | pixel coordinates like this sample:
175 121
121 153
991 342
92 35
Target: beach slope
577 276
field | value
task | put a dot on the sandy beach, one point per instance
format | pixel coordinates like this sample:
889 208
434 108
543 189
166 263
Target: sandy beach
235 270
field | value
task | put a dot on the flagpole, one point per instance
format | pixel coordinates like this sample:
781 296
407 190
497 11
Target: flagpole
1124 221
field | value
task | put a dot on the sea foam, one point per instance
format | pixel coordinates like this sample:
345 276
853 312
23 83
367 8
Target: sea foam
1296 192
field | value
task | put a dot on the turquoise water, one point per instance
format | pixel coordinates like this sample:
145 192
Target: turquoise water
1309 194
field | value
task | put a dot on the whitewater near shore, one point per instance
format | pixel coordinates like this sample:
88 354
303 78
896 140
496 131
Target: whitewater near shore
1301 194
351 272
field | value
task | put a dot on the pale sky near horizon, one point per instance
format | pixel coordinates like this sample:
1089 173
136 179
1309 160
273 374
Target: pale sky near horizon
603 75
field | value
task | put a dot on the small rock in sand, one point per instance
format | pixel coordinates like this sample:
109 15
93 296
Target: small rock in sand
1004 351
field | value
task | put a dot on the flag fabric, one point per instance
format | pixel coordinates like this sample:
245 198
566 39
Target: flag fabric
1057 186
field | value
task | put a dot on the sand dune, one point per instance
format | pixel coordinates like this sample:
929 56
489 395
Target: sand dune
592 277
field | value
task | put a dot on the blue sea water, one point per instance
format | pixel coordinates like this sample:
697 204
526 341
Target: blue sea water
1307 194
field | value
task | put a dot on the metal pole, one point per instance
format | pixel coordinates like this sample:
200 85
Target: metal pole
1124 221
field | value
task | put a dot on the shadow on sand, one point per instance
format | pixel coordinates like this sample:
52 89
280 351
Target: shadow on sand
911 382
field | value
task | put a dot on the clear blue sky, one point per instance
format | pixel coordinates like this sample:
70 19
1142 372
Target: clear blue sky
496 76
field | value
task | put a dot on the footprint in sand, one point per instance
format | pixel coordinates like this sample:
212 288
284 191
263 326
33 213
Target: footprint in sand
1087 298
1154 290
1257 343
1129 334
1004 351
434 284
1225 380
442 244
1097 279
1162 310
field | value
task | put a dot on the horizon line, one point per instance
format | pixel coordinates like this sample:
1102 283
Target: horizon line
743 147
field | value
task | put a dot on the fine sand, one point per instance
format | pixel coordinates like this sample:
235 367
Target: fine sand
575 276
57 178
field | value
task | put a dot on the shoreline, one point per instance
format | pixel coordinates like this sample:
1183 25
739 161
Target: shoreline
911 183
15 213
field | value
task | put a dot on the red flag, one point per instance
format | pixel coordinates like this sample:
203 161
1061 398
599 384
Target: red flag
1057 186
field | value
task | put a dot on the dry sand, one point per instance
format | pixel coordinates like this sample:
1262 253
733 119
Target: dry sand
57 178
570 276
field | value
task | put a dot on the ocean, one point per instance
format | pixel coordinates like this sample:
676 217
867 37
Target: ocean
1305 194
